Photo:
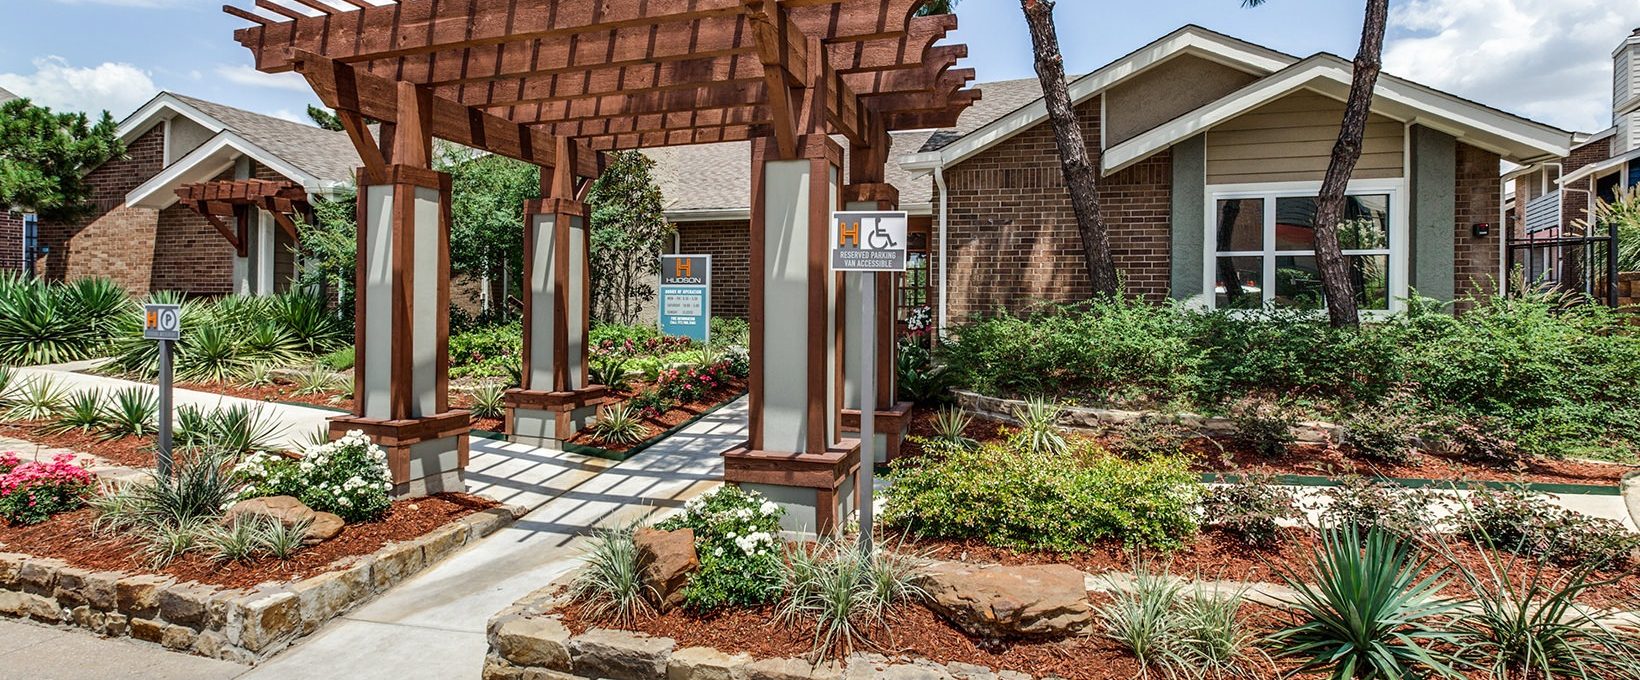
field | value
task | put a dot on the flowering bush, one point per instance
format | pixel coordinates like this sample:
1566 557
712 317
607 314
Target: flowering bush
348 477
693 383
737 535
31 492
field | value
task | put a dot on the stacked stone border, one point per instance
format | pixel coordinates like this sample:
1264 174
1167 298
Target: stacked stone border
245 626
1096 419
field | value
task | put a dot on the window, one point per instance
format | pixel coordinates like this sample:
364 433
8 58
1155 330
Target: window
1261 246
31 242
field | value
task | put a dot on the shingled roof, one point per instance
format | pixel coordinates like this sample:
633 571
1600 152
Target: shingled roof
322 153
6 95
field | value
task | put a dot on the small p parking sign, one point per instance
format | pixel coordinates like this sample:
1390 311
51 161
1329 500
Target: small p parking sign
162 322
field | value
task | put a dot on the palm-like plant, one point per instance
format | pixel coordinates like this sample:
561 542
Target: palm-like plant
81 412
932 7
37 399
130 413
1039 426
1366 612
489 401
210 352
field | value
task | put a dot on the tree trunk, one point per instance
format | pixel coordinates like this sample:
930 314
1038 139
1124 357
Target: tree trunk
1080 178
1329 210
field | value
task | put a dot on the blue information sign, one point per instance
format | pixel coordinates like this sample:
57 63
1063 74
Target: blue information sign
686 296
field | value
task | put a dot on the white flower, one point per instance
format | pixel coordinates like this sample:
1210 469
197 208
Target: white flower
769 508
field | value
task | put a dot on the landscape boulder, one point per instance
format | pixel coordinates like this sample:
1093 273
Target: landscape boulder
667 559
998 602
287 510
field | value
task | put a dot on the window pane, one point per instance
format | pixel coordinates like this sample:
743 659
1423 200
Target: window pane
1298 283
1245 278
1240 225
1295 224
1365 226
1369 275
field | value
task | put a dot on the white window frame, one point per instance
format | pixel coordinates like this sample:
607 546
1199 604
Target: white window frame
1399 235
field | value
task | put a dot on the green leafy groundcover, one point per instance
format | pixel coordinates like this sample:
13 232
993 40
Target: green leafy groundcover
1559 379
1008 495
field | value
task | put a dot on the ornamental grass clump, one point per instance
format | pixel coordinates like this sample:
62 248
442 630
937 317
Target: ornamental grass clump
1014 497
1194 634
846 594
32 491
611 583
737 537
347 477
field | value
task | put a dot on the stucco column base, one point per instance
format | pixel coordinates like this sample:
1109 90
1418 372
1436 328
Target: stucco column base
816 490
424 455
892 424
547 419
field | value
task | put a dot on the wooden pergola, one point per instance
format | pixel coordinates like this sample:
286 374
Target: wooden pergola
557 82
217 200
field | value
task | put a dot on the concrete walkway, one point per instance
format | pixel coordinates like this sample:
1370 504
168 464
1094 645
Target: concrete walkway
34 652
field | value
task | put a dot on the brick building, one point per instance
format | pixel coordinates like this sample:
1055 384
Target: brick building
144 237
1210 151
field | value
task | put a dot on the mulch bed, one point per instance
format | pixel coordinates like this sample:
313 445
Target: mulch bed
68 537
673 417
277 392
134 452
465 400
1219 455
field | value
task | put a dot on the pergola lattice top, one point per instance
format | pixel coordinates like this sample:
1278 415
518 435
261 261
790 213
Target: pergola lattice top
510 76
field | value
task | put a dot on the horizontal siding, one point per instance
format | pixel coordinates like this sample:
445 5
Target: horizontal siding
1291 140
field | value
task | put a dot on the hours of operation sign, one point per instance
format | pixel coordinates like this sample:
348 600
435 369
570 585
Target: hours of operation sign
686 296
868 241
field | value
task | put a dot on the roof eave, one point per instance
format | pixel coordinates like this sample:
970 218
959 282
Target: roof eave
211 159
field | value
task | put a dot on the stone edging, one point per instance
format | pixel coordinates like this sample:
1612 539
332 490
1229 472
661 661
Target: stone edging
243 626
528 641
1085 418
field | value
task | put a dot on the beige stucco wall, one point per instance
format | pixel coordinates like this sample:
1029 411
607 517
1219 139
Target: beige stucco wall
1291 140
1166 91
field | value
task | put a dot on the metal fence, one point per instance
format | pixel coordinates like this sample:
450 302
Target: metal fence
1566 263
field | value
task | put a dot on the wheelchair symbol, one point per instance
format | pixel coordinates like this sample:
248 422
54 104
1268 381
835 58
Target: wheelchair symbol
880 239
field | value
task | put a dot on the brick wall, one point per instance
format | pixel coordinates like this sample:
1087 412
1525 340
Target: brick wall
1574 201
11 241
729 244
121 242
1479 197
1014 239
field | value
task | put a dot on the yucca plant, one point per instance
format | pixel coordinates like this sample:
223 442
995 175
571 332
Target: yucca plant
319 436
210 352
37 398
258 374
193 426
1039 426
1522 622
281 540
40 323
117 508
951 427
611 583
81 412
1366 611
268 343
131 412
315 381
619 424
489 401
240 428
8 381
98 302
309 321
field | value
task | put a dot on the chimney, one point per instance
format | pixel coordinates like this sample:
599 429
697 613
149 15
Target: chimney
1626 94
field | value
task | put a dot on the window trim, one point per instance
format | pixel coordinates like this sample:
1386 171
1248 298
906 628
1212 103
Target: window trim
1399 235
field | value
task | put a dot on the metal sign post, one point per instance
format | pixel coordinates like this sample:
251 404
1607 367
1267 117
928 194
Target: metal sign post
868 243
163 323
685 297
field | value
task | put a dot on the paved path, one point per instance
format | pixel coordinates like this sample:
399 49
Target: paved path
34 652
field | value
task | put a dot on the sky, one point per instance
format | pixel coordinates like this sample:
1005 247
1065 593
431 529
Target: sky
1549 60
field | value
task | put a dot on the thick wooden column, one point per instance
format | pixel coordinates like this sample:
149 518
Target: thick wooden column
557 398
795 455
401 337
869 191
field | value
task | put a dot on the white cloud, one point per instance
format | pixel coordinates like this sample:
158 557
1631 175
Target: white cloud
1549 60
241 74
118 88
292 116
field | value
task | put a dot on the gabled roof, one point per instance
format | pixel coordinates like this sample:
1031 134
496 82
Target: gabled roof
1027 113
6 95
1516 139
318 159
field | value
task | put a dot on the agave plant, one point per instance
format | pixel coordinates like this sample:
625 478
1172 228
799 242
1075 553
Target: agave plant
951 427
619 425
130 413
309 321
210 352
81 412
1039 426
38 398
316 380
489 401
269 343
42 323
1366 611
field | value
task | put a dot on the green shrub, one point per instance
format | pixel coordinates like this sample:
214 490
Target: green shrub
1525 523
1367 505
920 379
1264 426
616 335
1009 496
32 491
486 352
731 332
1381 435
1275 352
737 536
339 360
347 477
1250 509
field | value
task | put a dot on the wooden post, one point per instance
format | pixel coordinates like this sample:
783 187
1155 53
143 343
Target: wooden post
556 399
401 336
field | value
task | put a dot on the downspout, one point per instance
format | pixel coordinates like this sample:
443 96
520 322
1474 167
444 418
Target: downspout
939 181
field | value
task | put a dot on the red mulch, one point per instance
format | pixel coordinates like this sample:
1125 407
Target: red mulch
673 417
465 400
68 537
276 392
136 452
1326 461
